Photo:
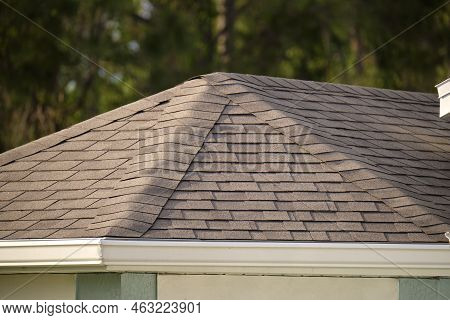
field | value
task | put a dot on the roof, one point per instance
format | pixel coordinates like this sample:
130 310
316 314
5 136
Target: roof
239 157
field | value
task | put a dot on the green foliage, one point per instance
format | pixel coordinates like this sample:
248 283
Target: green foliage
152 45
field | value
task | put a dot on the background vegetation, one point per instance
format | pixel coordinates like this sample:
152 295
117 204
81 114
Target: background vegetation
154 44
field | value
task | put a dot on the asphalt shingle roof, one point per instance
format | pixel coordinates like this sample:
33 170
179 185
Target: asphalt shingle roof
239 157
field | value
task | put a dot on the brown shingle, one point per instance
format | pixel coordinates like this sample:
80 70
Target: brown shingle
287 160
25 186
49 175
71 185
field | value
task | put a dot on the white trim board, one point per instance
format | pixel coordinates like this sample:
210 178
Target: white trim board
233 257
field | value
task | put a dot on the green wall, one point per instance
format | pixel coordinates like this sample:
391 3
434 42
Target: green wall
116 286
424 289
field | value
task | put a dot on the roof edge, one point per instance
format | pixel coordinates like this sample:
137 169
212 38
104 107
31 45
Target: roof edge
300 258
83 127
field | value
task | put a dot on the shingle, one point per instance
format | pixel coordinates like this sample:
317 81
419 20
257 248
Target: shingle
8 195
319 236
13 175
232 225
4 234
72 204
72 146
322 226
287 186
276 159
210 234
244 205
41 156
100 164
197 195
15 225
19 166
189 204
368 236
52 224
350 226
4 204
301 235
34 195
278 235
71 185
80 224
206 214
236 235
28 205
32 234
49 175
406 227
94 136
56 165
356 206
112 145
138 227
340 236
71 194
302 215
238 186
188 224
170 234
397 237
236 196
302 205
248 215
274 226
381 217
350 216
419 237
26 186
13 215
44 214
79 213
118 154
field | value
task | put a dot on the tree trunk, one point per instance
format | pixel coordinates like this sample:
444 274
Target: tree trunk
225 25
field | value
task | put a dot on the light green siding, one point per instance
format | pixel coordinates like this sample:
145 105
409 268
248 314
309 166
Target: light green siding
138 286
424 289
116 286
98 286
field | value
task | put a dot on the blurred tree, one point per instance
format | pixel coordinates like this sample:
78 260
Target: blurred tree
149 45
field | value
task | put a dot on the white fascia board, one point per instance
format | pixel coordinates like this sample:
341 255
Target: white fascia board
44 253
443 89
239 257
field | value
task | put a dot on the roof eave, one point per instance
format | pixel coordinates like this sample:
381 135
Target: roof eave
216 257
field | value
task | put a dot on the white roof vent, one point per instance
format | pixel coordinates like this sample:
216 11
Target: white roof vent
443 89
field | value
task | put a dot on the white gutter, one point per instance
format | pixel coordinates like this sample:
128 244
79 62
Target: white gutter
337 259
443 89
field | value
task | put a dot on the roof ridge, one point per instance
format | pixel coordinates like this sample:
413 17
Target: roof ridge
154 172
77 129
328 87
319 140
